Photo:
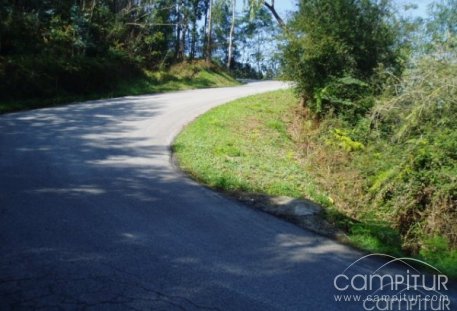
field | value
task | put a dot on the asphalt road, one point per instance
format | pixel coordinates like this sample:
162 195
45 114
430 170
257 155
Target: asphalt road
93 216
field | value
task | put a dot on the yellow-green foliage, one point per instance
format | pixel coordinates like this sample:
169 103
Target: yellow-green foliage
342 139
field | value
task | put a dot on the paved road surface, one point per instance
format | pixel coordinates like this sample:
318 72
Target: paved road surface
94 217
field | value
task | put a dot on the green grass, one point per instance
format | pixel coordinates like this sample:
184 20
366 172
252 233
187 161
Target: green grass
179 77
245 146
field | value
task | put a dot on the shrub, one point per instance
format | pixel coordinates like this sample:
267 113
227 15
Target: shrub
333 46
347 96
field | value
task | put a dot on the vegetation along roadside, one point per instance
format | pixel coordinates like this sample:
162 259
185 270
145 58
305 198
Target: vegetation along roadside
119 81
368 132
262 144
54 52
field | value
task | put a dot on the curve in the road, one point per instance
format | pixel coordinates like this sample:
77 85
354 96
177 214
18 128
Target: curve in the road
94 216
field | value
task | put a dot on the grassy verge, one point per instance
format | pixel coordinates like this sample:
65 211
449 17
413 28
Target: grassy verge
256 145
178 77
245 145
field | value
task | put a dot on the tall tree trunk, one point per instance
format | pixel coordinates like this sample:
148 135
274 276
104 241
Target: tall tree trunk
182 44
193 38
232 29
209 43
205 36
178 30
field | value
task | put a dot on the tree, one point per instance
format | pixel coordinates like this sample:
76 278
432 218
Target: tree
443 20
62 47
334 48
257 39
209 34
232 29
197 9
57 47
441 29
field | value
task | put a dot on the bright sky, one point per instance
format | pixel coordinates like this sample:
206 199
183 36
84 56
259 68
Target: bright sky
421 10
284 6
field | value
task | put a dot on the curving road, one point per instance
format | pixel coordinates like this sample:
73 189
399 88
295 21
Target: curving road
93 216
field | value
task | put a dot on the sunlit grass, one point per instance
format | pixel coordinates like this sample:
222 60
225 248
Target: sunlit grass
245 146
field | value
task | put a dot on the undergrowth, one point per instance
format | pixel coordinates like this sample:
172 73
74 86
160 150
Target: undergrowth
396 168
40 81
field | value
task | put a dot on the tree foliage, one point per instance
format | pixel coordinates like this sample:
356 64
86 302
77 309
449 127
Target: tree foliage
60 47
331 42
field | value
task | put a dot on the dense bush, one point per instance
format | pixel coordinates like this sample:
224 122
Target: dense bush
397 166
51 49
348 97
42 76
335 45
